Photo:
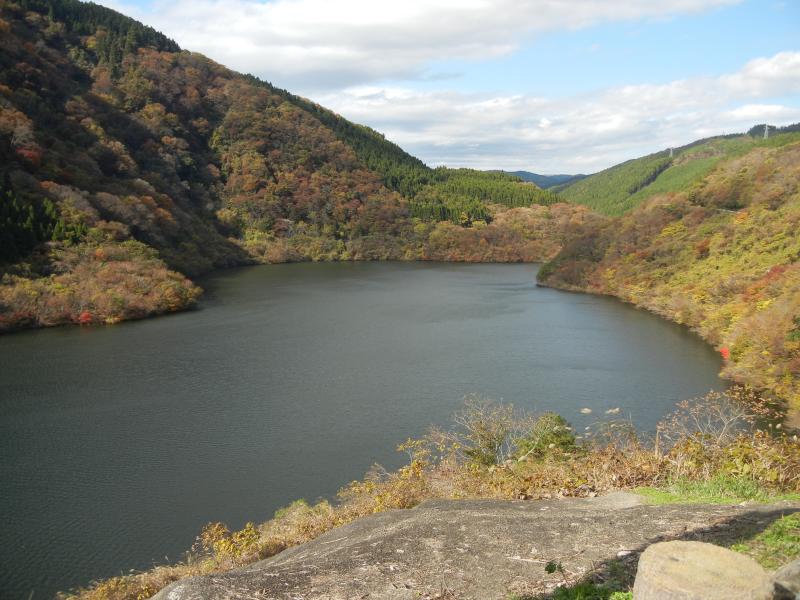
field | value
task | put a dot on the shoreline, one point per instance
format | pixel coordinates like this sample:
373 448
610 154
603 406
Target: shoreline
197 281
791 416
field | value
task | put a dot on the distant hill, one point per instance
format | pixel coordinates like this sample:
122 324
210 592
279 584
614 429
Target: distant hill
617 189
546 181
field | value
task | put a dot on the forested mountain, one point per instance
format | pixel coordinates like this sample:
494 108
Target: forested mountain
400 171
546 181
463 195
713 242
128 164
621 187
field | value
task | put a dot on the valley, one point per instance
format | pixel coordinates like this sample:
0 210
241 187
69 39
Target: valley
324 297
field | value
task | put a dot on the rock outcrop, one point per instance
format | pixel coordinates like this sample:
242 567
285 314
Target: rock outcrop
475 549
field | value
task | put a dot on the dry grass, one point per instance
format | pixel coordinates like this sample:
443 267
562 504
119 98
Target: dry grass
497 452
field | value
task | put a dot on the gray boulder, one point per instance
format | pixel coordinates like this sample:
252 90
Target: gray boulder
681 570
787 581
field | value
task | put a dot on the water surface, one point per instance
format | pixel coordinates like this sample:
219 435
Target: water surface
119 443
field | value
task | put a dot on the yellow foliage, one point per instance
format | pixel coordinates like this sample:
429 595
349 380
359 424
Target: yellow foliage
732 278
672 230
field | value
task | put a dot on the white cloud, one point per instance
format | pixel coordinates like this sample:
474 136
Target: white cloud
309 45
764 76
581 133
340 52
760 113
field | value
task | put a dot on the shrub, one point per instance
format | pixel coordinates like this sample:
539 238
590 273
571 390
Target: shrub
550 434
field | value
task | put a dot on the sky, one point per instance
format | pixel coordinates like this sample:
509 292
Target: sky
550 86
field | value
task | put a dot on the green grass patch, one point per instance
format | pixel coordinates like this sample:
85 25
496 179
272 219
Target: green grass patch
677 178
608 190
719 490
582 591
590 591
777 545
615 587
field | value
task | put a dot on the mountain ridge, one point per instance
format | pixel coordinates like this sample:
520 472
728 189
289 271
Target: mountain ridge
546 181
621 187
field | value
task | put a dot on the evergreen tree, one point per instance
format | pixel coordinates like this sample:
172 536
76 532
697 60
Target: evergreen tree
17 223
24 224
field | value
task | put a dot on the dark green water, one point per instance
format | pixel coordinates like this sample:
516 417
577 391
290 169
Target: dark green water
119 443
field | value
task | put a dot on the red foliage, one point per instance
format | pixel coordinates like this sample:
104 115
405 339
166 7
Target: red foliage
756 289
32 154
774 273
85 318
702 248
725 352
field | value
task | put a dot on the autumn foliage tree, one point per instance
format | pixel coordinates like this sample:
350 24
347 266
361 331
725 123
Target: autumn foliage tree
720 257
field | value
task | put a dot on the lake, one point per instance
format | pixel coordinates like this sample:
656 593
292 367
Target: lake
119 443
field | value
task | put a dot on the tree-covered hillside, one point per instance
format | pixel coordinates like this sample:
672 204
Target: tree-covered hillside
132 162
622 187
463 196
718 251
400 171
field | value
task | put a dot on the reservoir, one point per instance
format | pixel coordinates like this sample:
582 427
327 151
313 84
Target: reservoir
119 443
